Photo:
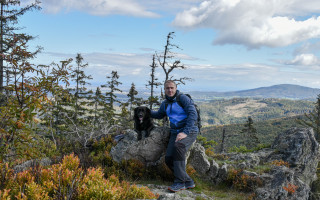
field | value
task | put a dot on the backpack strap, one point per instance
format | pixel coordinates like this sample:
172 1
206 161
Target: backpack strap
178 99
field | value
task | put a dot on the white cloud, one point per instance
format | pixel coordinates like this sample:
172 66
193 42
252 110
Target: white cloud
99 7
305 60
254 23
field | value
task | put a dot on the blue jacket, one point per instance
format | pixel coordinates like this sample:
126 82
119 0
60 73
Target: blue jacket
181 119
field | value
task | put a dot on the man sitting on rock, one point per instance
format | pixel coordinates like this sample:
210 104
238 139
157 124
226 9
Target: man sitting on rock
183 132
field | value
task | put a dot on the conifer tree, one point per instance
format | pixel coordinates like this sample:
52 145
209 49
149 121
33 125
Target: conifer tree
54 118
125 117
167 62
28 99
111 97
82 97
98 101
132 98
153 82
313 119
10 11
250 132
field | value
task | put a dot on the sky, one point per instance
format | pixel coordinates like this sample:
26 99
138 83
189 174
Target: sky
225 45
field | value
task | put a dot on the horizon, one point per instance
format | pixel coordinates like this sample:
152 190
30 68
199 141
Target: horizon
224 46
143 91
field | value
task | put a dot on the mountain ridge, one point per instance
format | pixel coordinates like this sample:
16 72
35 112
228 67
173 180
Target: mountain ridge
289 91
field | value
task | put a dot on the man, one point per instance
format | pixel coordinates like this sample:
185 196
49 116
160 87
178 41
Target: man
183 132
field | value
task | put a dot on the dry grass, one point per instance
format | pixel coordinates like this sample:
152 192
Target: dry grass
242 109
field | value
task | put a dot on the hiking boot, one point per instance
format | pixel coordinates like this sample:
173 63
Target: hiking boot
190 184
175 187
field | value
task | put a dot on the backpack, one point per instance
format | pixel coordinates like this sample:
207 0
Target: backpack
195 105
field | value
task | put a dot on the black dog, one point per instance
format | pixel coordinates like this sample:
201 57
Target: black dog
142 121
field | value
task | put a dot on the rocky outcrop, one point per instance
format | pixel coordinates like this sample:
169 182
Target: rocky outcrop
300 149
148 150
297 147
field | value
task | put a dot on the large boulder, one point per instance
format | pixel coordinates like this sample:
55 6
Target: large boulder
300 149
148 150
296 146
198 159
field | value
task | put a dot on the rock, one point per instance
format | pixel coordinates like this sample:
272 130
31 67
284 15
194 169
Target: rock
213 170
250 160
296 146
148 150
283 185
300 149
32 163
198 159
222 174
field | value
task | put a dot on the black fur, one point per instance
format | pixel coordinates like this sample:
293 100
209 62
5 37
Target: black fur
143 121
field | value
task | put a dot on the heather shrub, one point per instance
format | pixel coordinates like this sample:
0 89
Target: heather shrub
6 175
67 180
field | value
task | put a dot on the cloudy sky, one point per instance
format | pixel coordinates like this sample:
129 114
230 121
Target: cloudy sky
226 45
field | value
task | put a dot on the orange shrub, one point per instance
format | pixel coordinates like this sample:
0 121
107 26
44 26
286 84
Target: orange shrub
291 188
190 170
67 181
280 163
5 194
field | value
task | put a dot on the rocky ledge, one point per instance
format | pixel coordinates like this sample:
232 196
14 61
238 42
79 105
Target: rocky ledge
297 148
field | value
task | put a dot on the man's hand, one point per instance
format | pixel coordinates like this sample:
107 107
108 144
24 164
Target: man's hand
180 136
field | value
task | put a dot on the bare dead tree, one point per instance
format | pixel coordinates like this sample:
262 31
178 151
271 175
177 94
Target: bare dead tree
168 62
85 134
224 139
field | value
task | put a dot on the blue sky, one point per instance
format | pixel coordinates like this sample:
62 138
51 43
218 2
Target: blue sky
226 45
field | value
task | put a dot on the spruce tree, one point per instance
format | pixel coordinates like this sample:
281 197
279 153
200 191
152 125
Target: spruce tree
99 101
250 132
82 96
10 11
54 118
111 97
125 120
153 82
132 98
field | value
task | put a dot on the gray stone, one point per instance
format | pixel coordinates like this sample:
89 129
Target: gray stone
213 170
148 150
32 163
300 149
198 159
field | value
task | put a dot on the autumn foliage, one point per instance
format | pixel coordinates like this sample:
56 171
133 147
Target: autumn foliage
67 180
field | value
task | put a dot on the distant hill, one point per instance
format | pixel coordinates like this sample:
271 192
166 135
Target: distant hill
276 91
237 110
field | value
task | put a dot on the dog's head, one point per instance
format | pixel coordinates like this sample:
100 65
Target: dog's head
141 113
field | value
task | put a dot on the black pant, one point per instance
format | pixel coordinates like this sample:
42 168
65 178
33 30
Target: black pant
176 156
